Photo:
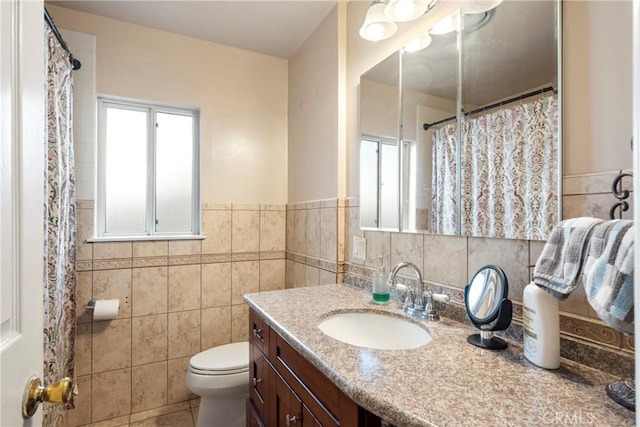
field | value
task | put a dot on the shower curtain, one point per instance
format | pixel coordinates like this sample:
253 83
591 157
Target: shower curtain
508 172
60 224
444 185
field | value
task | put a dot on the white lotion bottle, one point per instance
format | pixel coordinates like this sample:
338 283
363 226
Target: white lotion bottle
541 327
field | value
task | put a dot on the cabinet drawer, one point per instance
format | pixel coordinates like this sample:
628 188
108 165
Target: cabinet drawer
320 395
253 419
258 332
259 379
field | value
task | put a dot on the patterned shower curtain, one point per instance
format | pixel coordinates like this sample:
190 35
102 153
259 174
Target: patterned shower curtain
60 224
509 171
444 184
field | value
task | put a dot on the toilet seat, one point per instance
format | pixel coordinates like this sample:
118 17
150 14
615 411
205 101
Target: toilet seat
223 360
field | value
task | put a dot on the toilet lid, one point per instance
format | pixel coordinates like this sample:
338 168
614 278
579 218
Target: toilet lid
228 358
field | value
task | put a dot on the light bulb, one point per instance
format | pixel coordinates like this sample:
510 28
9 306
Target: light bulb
375 31
445 25
405 9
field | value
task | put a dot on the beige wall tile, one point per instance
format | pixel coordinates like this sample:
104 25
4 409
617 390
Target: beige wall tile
184 287
177 384
312 276
445 260
290 231
84 293
112 394
149 290
81 415
313 233
245 234
327 277
272 275
245 278
299 231
185 247
83 349
114 284
511 255
175 419
148 386
289 274
329 237
151 248
378 243
299 275
239 323
216 226
85 231
341 237
216 327
111 345
149 339
112 250
216 284
407 247
272 230
184 333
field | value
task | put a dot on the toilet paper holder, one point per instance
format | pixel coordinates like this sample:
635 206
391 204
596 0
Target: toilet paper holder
91 305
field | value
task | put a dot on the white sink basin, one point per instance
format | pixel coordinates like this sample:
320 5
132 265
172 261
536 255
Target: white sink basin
375 330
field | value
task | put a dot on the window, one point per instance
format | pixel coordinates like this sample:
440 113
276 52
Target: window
148 177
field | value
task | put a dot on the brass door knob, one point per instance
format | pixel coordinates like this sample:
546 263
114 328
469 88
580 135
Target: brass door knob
58 393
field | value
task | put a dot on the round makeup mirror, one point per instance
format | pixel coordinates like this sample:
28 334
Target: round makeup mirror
488 307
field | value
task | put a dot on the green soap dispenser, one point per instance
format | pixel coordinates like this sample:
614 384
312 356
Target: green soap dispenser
381 292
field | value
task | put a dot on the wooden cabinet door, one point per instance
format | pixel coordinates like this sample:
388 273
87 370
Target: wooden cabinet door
288 408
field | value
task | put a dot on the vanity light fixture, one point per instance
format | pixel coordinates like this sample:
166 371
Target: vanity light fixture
377 26
480 6
380 20
446 25
418 43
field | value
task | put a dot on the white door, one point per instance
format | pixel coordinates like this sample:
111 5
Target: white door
21 203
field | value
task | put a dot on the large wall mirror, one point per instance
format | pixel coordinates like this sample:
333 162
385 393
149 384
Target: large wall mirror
477 133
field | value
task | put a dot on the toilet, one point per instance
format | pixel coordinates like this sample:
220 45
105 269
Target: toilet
220 376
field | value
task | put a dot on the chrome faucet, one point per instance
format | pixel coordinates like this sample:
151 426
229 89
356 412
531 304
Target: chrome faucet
420 306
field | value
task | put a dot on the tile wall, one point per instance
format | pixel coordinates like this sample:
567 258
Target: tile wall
177 299
449 262
315 242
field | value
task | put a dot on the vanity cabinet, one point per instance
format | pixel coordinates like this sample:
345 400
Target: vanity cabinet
286 390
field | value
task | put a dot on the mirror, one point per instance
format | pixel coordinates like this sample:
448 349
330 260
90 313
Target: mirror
473 160
379 177
488 308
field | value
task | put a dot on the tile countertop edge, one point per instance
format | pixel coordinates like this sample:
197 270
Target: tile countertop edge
413 406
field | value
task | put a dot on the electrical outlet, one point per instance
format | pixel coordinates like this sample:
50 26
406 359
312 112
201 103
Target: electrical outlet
359 248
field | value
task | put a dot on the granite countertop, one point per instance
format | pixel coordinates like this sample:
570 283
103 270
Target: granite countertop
445 383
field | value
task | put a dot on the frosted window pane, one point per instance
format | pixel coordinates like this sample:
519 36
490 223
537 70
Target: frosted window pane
125 171
369 183
389 186
174 172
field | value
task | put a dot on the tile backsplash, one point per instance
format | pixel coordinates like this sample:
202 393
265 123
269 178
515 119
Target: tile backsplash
177 298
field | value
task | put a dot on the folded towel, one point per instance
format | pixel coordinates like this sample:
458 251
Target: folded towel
559 267
608 273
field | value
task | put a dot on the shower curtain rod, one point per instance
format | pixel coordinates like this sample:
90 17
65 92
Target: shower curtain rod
426 126
74 62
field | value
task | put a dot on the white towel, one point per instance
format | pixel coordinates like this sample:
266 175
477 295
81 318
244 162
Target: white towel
559 267
608 273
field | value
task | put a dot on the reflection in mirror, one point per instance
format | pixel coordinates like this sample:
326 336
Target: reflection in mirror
429 94
488 307
379 177
509 134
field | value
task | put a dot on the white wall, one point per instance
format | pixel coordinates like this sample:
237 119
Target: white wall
313 114
242 97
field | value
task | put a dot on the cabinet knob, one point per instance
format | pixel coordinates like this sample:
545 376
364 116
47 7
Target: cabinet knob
256 381
291 419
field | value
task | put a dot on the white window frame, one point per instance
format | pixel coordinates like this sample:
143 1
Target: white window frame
150 233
